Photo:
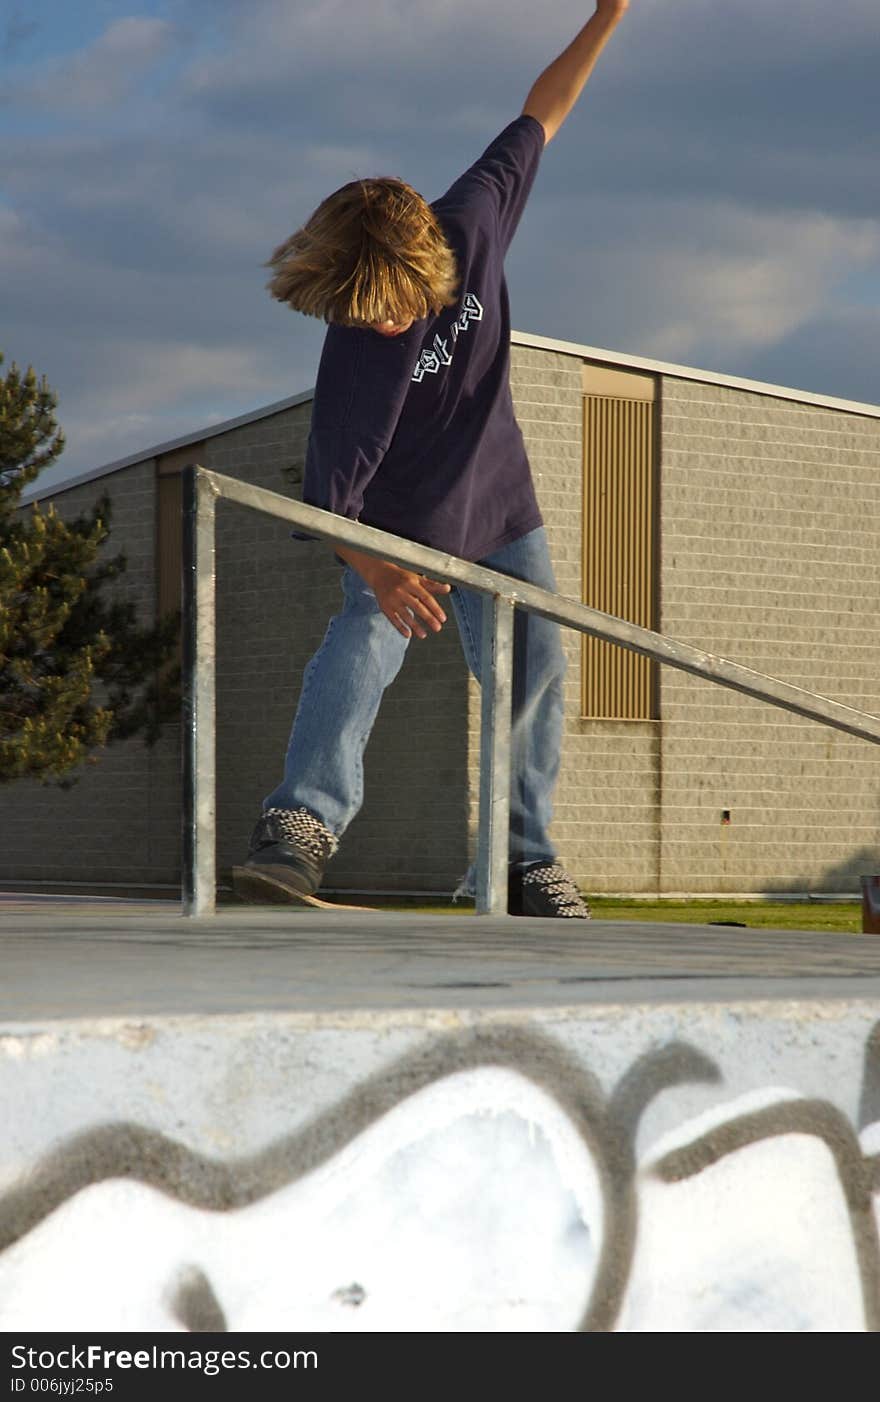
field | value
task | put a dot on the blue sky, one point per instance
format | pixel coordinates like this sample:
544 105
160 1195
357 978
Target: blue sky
712 200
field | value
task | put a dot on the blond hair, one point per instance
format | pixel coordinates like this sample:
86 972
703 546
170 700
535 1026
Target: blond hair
373 251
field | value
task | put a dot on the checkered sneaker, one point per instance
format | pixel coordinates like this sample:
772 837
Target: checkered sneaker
302 829
549 890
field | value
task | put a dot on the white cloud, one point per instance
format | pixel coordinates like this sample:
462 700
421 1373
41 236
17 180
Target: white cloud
685 280
764 276
11 228
335 161
464 45
132 239
337 35
178 372
139 394
100 75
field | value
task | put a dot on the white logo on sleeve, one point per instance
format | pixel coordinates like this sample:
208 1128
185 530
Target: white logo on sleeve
439 352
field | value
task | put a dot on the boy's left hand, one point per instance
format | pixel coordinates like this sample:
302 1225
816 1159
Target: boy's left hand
406 598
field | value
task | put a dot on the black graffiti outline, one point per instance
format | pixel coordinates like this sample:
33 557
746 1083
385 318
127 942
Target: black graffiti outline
193 1303
606 1127
859 1174
131 1151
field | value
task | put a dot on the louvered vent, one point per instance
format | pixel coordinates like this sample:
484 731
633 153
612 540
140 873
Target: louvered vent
619 552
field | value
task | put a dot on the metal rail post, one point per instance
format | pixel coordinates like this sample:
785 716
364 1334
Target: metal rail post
199 694
495 707
501 592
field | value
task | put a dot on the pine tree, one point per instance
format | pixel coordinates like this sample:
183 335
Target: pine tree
77 670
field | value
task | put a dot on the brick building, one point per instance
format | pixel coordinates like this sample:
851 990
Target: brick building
736 516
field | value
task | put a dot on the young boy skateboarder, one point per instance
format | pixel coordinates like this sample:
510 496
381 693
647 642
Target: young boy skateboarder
413 431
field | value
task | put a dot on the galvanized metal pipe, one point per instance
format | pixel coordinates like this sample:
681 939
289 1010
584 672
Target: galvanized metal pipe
496 670
203 487
199 694
568 612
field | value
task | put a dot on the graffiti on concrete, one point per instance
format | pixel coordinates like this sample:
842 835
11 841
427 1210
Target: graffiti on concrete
615 1276
194 1305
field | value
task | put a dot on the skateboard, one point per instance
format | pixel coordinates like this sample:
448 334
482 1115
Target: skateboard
260 888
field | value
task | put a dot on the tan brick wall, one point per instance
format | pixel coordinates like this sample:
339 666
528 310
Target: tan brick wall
769 549
768 552
605 823
275 597
120 820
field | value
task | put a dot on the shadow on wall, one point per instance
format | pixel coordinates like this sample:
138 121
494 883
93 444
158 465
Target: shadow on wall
843 878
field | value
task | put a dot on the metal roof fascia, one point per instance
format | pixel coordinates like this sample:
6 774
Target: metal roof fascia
618 359
213 431
688 372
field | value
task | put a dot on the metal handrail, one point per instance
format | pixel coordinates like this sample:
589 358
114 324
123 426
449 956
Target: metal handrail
202 489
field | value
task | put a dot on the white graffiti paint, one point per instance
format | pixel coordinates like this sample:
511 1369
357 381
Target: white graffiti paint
759 1242
473 1205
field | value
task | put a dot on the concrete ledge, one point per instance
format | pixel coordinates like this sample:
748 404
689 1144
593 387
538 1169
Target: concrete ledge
288 1120
105 960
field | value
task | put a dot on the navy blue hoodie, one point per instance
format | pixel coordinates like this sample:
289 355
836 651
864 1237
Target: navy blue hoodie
416 433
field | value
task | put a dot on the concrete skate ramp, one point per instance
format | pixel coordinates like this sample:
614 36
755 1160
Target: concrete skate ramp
287 1120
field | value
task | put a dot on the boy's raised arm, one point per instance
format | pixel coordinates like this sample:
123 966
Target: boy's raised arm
559 86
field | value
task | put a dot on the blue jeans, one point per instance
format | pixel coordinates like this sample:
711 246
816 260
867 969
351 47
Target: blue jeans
360 656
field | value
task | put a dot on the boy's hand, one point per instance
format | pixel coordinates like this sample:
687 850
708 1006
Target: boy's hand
558 88
406 598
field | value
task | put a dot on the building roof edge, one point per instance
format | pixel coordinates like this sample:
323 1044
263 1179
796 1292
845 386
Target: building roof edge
618 359
624 361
